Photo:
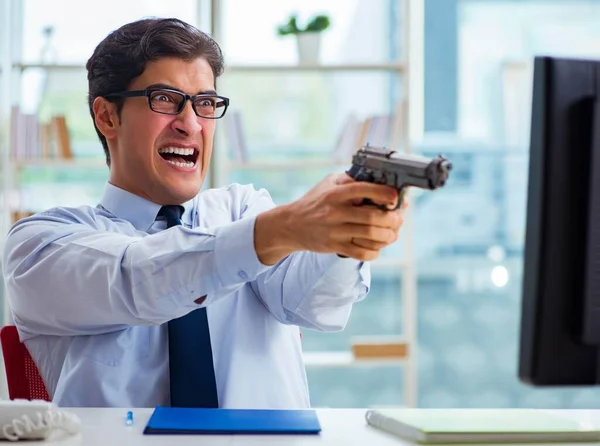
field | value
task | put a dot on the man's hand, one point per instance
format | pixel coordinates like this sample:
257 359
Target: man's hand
331 219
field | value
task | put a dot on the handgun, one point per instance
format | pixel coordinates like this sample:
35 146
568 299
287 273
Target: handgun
386 166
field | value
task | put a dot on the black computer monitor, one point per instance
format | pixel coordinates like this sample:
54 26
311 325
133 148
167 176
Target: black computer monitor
560 320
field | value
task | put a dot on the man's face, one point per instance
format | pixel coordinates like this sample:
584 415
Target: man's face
164 158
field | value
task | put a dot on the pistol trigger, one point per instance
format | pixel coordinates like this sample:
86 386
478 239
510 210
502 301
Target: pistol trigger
401 193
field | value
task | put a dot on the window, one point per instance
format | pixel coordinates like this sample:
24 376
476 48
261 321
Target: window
469 293
53 81
292 120
468 236
76 33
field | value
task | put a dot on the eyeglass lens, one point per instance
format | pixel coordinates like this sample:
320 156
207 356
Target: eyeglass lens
170 102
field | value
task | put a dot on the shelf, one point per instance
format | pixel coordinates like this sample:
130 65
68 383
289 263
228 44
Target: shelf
59 163
344 359
398 67
24 66
251 165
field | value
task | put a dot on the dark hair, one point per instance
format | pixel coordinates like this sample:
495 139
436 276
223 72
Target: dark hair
122 56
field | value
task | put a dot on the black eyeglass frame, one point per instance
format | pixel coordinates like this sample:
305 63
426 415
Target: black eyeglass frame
186 97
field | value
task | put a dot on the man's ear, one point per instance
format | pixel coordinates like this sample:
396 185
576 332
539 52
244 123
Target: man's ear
105 117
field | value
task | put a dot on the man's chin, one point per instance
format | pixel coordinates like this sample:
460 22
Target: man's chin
185 193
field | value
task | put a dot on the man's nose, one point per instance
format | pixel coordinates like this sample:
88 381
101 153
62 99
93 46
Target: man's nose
186 122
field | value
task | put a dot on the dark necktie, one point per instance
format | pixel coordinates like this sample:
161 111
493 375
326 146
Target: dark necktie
190 354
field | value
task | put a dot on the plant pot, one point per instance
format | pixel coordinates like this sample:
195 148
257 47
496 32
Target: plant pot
309 47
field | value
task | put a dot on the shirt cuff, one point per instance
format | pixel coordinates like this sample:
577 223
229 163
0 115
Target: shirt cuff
342 269
235 255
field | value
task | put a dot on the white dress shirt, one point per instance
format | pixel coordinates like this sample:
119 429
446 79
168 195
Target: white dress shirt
91 290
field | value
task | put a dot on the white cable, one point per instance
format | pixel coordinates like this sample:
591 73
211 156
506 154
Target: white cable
23 426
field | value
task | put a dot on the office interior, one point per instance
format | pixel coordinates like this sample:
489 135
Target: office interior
440 327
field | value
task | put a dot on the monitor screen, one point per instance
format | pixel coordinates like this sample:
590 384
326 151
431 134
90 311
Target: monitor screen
560 319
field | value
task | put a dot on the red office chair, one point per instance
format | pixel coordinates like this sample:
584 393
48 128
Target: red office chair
24 380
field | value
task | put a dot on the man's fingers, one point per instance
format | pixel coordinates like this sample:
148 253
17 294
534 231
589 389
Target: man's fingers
373 216
369 244
378 193
358 252
343 178
362 248
373 233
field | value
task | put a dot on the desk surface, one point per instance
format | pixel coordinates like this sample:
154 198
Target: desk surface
107 427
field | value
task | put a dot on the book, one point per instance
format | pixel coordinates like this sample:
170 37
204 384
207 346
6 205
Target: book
480 425
183 420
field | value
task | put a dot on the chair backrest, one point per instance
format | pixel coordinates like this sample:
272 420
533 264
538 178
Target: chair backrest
22 376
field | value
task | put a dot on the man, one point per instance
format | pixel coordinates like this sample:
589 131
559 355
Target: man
100 294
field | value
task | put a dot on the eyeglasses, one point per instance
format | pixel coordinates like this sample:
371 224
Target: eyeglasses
172 102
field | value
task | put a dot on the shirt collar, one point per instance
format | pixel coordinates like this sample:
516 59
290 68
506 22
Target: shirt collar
140 212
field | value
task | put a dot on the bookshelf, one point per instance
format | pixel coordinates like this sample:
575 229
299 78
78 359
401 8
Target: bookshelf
241 161
405 72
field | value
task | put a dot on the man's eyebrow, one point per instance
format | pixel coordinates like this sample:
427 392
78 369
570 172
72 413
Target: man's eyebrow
171 87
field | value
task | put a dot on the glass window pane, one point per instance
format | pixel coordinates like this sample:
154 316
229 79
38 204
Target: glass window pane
380 314
492 35
360 31
285 184
76 33
46 95
356 386
299 116
49 92
469 236
44 187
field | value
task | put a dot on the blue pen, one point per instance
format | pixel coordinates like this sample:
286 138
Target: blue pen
129 419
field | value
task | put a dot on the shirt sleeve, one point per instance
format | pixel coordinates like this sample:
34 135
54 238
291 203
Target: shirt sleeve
66 277
309 289
313 290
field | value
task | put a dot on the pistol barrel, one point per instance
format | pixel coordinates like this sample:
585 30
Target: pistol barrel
385 166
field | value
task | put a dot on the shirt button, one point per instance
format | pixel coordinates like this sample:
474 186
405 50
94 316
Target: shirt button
243 275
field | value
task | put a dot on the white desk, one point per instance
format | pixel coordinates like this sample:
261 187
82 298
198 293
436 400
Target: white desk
340 427
106 427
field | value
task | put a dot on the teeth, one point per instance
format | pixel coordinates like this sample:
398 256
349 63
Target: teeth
186 164
177 151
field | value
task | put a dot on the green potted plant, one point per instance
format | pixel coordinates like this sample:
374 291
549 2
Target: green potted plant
308 38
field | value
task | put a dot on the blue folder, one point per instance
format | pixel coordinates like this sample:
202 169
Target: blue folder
180 420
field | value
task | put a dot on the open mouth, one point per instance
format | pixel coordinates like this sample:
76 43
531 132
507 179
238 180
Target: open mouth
180 156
